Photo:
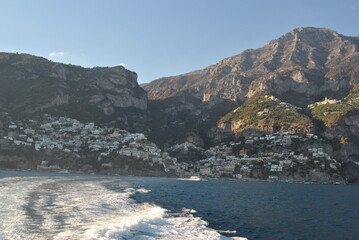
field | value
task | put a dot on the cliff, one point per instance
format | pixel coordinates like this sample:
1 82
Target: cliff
31 85
340 119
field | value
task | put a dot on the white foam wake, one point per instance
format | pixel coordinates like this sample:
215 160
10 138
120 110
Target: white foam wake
59 208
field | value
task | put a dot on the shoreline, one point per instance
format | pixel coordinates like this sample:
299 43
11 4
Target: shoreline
201 178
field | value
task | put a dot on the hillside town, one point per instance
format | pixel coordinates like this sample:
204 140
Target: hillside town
275 157
271 157
71 136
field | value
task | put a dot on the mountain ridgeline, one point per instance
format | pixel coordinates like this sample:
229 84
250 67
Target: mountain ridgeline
301 66
33 85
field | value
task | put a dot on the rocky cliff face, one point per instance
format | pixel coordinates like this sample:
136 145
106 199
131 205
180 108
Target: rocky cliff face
348 127
31 85
306 62
340 124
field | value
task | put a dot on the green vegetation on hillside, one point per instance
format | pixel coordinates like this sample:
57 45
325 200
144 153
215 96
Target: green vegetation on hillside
265 111
331 114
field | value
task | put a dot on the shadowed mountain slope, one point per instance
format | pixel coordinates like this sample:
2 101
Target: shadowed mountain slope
31 85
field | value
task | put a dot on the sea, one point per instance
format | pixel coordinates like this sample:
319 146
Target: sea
37 205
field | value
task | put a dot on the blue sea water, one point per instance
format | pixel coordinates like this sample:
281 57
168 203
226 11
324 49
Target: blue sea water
59 206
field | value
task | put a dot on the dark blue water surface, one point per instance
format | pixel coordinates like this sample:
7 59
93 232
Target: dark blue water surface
256 210
260 210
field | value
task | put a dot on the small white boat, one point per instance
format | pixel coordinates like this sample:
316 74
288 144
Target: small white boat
191 178
195 178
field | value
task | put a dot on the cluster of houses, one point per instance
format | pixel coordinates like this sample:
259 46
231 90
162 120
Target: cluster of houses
325 101
284 104
71 136
273 155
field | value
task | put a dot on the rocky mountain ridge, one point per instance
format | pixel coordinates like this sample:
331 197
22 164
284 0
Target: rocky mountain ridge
32 85
308 62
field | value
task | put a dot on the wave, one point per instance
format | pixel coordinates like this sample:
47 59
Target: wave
77 208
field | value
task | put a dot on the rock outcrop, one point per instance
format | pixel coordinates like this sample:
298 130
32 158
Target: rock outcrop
32 85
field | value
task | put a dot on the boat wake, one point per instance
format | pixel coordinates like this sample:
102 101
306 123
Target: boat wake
80 208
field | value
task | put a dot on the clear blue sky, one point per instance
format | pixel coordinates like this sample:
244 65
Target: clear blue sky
158 38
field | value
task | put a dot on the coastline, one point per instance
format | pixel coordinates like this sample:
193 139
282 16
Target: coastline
201 178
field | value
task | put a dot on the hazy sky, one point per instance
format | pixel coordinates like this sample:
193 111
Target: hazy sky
158 38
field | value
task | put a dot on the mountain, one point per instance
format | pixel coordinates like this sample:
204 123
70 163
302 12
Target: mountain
304 66
31 85
301 66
